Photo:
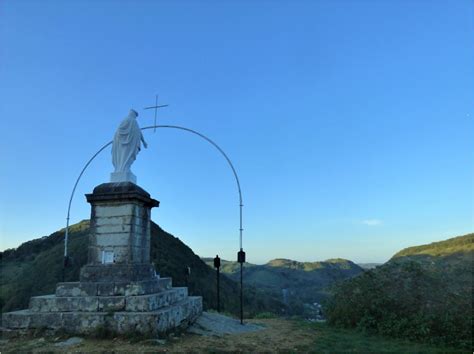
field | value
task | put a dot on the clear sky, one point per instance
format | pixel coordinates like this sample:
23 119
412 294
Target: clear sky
350 123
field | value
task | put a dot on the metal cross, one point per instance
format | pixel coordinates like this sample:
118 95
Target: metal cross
156 109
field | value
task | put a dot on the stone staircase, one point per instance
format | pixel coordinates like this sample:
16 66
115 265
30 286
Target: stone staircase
147 306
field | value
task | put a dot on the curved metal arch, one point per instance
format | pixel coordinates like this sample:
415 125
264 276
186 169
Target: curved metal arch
66 238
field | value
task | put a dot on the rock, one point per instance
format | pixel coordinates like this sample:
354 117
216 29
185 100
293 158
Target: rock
69 342
213 324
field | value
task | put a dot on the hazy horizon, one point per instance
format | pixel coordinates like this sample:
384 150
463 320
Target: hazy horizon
227 256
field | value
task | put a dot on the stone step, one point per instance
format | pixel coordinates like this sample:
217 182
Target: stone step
113 288
153 322
117 272
137 303
152 302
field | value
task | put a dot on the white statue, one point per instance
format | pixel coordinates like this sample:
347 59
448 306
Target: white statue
125 147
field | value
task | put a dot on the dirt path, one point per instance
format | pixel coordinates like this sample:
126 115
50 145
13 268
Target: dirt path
214 324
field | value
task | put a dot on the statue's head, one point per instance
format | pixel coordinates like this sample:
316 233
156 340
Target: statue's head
133 113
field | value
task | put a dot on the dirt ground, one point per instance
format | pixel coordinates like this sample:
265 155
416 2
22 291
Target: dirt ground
277 335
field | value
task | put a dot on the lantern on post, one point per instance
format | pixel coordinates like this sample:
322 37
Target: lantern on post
241 260
187 273
217 265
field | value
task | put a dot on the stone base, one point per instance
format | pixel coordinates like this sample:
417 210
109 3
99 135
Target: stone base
123 177
177 316
113 288
147 307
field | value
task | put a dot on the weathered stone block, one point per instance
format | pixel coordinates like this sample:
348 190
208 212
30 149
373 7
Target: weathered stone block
147 287
45 303
51 303
17 319
113 229
116 239
111 304
52 320
121 288
152 302
117 272
107 211
139 288
81 304
106 289
88 289
85 322
68 289
76 289
141 222
114 220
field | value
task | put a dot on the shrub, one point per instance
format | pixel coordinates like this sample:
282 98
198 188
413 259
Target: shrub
408 300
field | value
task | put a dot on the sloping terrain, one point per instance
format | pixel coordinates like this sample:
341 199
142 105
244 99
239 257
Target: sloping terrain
461 245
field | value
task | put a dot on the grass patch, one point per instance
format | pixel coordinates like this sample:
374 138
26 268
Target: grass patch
332 340
264 315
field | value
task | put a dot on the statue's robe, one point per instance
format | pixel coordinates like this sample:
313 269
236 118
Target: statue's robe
126 144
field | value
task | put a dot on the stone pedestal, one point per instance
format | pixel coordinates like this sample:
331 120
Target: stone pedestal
118 287
119 243
116 177
120 224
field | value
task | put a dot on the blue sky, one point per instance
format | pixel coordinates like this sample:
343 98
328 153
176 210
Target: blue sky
350 123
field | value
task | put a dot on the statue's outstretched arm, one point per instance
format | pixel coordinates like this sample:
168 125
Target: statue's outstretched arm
144 142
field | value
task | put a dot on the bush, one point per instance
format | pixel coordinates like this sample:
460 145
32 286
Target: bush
407 300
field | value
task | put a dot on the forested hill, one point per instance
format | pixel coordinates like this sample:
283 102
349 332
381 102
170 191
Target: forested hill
35 267
334 263
423 293
296 283
453 246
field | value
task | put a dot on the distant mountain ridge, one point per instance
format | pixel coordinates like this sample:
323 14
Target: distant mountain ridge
297 283
333 263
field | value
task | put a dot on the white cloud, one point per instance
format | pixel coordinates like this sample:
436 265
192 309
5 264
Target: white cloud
372 222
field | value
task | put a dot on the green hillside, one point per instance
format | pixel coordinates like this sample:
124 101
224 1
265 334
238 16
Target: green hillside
295 283
335 263
227 267
423 293
456 245
35 267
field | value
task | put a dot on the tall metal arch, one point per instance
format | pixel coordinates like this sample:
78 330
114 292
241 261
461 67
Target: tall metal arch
66 238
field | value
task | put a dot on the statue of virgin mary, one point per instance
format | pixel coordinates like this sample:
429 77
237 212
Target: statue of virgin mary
126 145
